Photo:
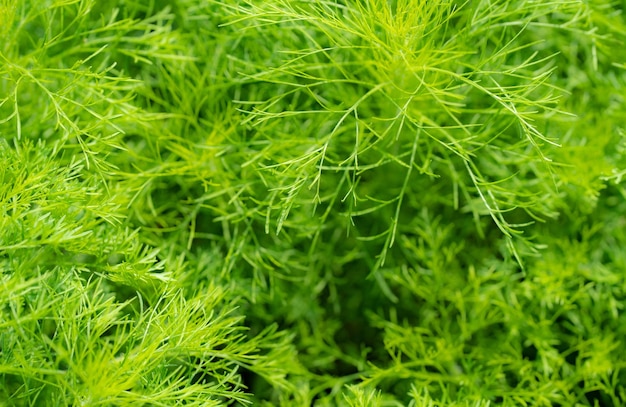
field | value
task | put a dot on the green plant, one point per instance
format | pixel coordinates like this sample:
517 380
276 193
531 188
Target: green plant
299 202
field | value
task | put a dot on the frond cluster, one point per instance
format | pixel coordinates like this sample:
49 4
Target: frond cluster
297 202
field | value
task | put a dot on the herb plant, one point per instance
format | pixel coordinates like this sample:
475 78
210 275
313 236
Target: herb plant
297 202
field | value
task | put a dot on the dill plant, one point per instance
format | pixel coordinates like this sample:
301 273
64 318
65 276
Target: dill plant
288 202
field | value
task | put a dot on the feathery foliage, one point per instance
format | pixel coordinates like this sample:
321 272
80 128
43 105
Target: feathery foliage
296 202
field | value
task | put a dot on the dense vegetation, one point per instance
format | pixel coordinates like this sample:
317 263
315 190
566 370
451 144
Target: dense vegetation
299 202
